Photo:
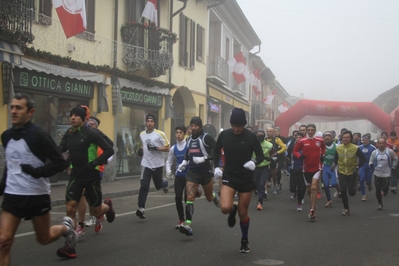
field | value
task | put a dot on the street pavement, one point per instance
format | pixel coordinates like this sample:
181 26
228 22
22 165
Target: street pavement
279 235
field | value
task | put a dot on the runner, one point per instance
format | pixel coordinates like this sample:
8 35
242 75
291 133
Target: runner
365 172
311 149
329 172
25 185
393 143
383 161
239 144
154 143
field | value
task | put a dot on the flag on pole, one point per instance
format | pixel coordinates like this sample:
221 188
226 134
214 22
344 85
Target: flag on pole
150 11
72 15
238 68
254 79
283 107
269 99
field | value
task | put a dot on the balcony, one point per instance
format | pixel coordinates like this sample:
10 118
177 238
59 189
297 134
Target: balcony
147 47
16 17
218 69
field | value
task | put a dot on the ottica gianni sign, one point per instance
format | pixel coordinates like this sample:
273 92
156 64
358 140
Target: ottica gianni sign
52 84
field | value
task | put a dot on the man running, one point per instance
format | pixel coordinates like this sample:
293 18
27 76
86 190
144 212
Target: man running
383 161
349 159
154 142
329 171
82 143
239 144
393 143
311 149
365 172
199 153
25 182
278 148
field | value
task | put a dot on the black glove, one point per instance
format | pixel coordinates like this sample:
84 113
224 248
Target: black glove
371 166
89 166
34 172
302 157
140 152
355 171
322 158
152 147
393 172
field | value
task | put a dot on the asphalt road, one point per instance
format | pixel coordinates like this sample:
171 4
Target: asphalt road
279 235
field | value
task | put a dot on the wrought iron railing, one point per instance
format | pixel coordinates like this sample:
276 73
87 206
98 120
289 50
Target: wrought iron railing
218 67
16 17
147 47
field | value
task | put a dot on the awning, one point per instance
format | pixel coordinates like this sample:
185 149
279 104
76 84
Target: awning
138 86
61 71
10 52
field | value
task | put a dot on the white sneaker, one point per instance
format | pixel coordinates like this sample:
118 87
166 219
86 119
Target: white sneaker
71 238
303 201
91 221
336 194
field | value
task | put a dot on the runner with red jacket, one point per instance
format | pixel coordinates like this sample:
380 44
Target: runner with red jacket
311 149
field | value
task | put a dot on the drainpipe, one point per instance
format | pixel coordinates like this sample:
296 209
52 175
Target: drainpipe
116 34
172 15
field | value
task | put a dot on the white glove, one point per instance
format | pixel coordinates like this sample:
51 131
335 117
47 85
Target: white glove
217 173
250 165
198 160
110 159
182 166
169 174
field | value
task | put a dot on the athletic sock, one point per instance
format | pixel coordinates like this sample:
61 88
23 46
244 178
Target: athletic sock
244 227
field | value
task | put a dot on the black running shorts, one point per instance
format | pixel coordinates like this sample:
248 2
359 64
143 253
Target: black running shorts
248 186
23 206
92 189
201 178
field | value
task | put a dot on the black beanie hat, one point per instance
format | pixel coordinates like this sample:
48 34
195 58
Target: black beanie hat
79 111
196 120
150 116
238 117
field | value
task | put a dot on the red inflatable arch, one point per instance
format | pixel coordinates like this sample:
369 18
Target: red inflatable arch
344 110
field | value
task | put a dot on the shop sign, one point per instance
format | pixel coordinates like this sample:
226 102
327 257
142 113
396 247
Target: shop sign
132 96
52 84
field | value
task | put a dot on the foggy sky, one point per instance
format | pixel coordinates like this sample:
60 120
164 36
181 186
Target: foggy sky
346 50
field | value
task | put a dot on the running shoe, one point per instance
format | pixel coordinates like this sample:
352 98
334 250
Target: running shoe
259 206
303 201
111 212
198 194
328 204
91 221
66 252
299 207
99 224
364 198
266 196
255 192
318 195
141 213
380 207
393 190
293 196
280 186
244 246
216 199
312 215
336 194
231 220
71 237
166 187
179 224
345 212
80 230
186 229
275 190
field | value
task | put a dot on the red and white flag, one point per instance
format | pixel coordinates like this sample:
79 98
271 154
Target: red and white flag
72 14
150 11
238 68
254 80
269 99
283 107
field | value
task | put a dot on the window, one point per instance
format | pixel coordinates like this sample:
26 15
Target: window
134 9
88 34
200 43
187 42
43 10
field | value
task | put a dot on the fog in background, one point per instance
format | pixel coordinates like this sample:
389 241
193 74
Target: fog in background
345 50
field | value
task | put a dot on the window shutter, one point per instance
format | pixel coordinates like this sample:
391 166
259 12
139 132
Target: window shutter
182 40
192 45
200 35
